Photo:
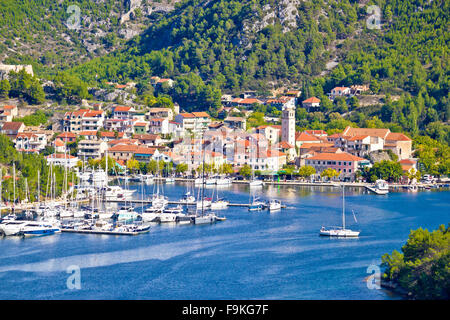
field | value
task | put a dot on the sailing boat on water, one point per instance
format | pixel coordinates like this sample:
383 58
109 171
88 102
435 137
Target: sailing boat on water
203 218
339 231
219 203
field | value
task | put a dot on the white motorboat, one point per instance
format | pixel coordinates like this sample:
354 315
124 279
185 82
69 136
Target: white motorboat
198 181
36 228
177 209
256 183
150 216
66 213
127 214
117 193
274 205
170 180
12 227
99 178
380 187
223 181
210 181
105 215
183 219
340 231
167 217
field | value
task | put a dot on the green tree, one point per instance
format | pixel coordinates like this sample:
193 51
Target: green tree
245 171
181 168
329 173
306 171
5 87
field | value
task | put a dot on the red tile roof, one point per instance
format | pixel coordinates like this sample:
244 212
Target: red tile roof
121 109
344 156
303 136
312 100
67 135
393 136
14 126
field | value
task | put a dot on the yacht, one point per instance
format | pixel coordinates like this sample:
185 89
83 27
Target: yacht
210 181
170 180
256 183
198 181
36 228
274 205
117 193
223 181
105 215
66 213
339 231
177 209
127 214
152 214
380 187
12 227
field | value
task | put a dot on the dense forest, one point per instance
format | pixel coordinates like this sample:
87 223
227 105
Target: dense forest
423 267
45 33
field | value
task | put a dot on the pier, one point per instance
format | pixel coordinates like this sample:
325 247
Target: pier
148 202
111 233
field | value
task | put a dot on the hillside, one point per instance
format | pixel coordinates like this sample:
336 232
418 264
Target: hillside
60 34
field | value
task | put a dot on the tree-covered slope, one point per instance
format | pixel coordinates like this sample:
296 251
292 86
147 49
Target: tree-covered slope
258 44
58 34
423 267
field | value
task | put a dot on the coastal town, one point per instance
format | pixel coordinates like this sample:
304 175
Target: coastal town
126 134
224 151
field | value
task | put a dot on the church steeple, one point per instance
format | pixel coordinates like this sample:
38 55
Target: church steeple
288 125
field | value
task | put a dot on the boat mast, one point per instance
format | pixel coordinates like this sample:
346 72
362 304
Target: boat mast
14 185
38 187
343 208
203 173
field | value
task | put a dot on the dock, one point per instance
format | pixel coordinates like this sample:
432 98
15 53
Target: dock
149 202
111 233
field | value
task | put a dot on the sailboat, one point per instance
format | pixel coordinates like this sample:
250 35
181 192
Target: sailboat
339 231
220 203
255 182
203 218
256 204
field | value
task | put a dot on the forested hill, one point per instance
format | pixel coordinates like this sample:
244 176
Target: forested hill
53 35
254 44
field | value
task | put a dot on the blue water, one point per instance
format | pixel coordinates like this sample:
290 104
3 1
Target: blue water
248 256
